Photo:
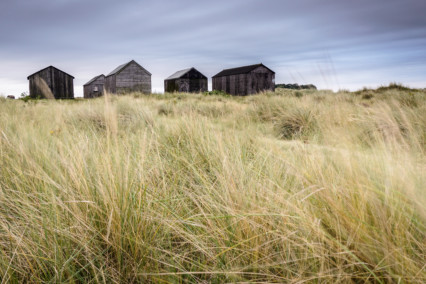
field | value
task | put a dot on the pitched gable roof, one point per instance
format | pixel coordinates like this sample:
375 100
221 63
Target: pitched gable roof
178 74
122 66
94 79
181 73
47 68
240 70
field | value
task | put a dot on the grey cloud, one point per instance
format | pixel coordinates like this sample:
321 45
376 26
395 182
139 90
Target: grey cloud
91 37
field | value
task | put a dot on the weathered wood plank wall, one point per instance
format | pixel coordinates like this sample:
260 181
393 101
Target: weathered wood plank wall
94 89
60 83
257 80
191 82
133 79
110 84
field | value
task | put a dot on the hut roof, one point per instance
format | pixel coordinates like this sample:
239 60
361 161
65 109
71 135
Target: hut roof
122 66
240 70
180 73
93 79
47 68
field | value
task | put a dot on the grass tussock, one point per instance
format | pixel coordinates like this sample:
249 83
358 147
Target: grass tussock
298 123
296 186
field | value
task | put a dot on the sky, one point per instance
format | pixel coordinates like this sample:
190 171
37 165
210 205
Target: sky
332 44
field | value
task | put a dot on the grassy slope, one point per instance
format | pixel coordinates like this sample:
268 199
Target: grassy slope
292 186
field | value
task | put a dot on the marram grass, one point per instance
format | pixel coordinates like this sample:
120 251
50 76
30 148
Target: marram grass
284 187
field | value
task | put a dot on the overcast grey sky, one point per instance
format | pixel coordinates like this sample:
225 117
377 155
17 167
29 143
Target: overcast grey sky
333 44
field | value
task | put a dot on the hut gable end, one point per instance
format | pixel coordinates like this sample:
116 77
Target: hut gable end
188 80
95 87
51 82
123 66
128 77
48 69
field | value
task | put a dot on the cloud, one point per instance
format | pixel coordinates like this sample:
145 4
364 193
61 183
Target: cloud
86 38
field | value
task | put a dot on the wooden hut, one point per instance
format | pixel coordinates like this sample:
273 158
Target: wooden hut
51 83
188 81
245 80
95 87
129 77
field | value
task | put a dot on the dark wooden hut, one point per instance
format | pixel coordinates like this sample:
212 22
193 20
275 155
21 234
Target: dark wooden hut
245 80
129 77
95 87
51 83
188 81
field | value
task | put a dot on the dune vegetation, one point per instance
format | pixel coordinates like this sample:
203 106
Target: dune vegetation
292 186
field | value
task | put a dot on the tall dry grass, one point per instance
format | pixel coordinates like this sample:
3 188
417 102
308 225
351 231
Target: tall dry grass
286 187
